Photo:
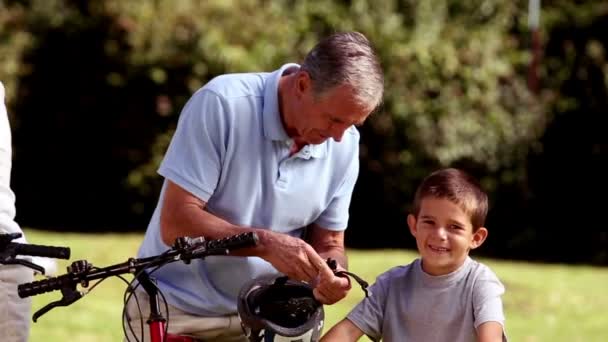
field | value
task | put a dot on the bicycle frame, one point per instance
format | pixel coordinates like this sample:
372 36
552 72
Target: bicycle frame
156 321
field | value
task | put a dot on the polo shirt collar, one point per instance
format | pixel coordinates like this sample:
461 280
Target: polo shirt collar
314 151
273 126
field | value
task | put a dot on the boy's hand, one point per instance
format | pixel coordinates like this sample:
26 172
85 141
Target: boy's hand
330 288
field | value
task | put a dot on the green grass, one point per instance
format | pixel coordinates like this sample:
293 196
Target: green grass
542 302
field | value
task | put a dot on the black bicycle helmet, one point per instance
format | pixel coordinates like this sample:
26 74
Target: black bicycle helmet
275 308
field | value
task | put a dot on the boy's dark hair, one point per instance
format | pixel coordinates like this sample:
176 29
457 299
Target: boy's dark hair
458 187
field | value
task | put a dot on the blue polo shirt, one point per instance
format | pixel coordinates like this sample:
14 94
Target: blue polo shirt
230 149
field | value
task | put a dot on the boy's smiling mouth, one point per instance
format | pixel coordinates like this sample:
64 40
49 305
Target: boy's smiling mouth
438 249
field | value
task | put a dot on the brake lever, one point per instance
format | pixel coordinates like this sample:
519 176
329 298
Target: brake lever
68 292
69 296
8 252
16 261
333 265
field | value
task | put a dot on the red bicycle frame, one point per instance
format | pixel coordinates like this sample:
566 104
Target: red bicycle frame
156 321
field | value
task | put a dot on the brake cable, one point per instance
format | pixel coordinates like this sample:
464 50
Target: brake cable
333 264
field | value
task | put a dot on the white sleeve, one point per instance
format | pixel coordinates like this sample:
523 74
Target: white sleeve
7 197
195 155
5 144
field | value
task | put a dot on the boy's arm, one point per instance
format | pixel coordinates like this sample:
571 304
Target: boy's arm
344 331
490 332
367 317
488 307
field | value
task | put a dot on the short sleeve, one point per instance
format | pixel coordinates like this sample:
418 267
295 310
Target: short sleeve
368 315
5 145
335 216
7 197
195 155
487 299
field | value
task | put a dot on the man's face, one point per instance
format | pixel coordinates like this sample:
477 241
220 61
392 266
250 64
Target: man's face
444 235
327 116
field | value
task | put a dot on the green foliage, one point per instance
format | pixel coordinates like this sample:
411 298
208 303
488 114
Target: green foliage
13 41
453 88
20 22
453 91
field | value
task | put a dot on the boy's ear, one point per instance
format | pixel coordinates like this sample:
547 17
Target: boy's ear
479 237
411 222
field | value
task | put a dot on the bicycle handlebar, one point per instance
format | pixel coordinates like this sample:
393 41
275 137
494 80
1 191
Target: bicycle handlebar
43 286
10 250
184 249
234 242
13 249
41 251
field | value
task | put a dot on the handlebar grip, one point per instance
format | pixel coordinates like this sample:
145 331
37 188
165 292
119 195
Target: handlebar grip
243 240
43 286
42 251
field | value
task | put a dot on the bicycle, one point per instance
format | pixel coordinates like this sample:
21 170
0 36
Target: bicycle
81 272
185 249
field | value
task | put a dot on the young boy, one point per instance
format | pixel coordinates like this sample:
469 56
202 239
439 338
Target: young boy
444 295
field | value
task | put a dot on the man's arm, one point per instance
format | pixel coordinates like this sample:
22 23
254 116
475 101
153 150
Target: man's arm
344 331
183 214
489 332
329 244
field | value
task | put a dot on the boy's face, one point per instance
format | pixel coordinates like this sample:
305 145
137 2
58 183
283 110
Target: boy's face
444 235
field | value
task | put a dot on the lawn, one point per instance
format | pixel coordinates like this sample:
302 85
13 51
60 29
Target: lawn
542 302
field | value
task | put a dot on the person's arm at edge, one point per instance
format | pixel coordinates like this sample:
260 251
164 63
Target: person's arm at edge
490 332
183 214
344 331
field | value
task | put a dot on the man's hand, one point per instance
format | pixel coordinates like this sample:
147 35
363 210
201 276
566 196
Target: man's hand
291 256
298 260
330 288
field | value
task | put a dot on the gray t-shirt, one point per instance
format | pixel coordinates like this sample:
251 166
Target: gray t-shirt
407 304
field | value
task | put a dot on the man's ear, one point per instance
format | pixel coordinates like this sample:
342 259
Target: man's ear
303 82
411 222
479 237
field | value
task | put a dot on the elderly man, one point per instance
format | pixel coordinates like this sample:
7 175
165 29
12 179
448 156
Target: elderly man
275 153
